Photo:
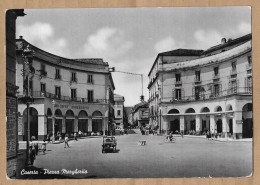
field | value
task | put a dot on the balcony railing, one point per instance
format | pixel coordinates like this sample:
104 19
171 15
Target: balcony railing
39 94
233 72
197 81
58 77
210 96
215 76
74 80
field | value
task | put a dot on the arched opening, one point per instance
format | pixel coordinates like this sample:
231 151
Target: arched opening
173 111
229 107
97 122
83 121
49 112
190 122
33 118
218 109
205 120
247 117
70 122
219 126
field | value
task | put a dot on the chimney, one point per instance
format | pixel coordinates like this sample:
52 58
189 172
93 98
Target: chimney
223 41
20 37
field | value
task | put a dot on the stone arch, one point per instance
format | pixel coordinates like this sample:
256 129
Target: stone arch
69 113
229 107
173 111
218 109
247 107
205 109
82 114
190 110
96 113
49 112
58 112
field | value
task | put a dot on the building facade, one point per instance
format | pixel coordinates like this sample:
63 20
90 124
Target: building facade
140 114
119 110
70 95
195 91
11 88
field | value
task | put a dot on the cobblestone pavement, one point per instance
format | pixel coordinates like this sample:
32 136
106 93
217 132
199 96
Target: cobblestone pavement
188 157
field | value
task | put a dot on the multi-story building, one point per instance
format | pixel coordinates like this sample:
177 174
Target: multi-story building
129 117
195 91
70 95
119 110
140 114
11 88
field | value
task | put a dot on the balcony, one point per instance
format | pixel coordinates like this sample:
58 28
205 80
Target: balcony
73 80
233 73
215 76
178 83
39 94
197 81
210 96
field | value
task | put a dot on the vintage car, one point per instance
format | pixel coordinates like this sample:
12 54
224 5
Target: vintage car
109 144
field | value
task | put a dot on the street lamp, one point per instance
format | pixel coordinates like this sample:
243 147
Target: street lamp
53 121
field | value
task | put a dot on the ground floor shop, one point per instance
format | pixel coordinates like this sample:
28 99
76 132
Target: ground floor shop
230 118
62 117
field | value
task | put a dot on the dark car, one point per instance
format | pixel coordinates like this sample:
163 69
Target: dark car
109 144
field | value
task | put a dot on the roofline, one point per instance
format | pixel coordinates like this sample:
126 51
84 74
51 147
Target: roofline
53 55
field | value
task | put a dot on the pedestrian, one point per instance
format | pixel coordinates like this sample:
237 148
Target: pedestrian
75 136
36 146
31 154
43 147
66 141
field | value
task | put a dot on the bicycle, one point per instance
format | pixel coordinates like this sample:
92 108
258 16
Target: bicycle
169 140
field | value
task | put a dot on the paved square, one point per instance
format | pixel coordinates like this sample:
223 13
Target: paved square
188 157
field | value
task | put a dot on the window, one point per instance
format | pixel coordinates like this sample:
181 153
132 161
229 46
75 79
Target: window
119 112
197 73
73 93
90 79
249 84
43 71
249 60
233 86
178 77
178 94
43 87
73 77
90 96
234 66
215 71
216 90
57 75
57 91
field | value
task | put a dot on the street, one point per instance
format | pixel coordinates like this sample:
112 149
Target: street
188 157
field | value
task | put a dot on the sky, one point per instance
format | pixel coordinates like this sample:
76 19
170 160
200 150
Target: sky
130 39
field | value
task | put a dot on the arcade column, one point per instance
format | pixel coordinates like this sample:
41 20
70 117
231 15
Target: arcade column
212 123
63 126
76 124
182 124
90 124
237 125
198 123
224 125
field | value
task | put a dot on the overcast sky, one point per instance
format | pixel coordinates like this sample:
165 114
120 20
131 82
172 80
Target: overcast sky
129 39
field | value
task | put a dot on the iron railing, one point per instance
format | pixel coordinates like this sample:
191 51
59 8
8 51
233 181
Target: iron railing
39 94
210 96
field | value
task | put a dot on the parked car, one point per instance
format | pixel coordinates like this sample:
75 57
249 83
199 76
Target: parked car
109 144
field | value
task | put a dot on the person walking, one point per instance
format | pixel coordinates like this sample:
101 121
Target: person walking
66 141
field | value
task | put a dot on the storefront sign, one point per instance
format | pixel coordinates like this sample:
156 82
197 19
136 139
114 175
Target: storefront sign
64 106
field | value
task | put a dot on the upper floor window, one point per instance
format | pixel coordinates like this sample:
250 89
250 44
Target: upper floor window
234 66
57 91
178 77
215 71
90 79
43 87
197 74
249 60
43 71
73 77
178 94
73 93
118 112
57 74
90 96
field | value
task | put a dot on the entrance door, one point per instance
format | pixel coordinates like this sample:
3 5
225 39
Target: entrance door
69 126
230 124
247 128
193 125
83 125
204 127
219 126
175 126
96 125
58 126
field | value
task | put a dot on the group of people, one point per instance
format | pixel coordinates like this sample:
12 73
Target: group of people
34 149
